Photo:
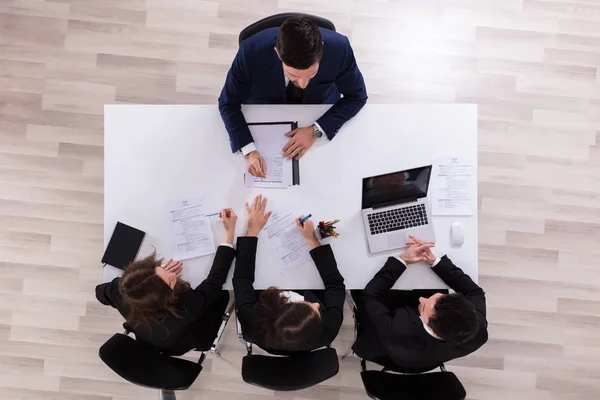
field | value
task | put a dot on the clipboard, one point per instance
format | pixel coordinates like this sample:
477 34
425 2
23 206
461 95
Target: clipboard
295 163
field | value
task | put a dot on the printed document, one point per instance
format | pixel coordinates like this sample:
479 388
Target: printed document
285 242
191 234
269 141
453 190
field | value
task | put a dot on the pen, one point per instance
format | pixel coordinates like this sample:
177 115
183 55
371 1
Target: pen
305 218
260 163
332 223
216 213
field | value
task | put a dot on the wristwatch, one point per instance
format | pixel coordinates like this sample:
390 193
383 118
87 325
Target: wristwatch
318 132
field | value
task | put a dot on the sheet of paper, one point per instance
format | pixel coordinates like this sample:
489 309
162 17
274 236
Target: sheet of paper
191 235
452 188
269 141
285 242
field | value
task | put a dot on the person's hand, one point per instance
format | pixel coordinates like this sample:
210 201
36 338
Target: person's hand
257 215
229 218
300 142
415 253
307 228
173 266
257 165
427 253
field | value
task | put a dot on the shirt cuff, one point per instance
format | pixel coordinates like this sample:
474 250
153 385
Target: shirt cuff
321 129
436 262
250 147
401 260
226 244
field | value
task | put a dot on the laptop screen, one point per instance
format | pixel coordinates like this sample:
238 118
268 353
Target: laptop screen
395 188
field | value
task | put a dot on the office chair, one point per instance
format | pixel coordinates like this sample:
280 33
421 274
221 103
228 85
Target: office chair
214 349
142 365
276 21
381 385
285 373
404 383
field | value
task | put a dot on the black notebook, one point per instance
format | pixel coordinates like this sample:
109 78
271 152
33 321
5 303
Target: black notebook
295 163
123 246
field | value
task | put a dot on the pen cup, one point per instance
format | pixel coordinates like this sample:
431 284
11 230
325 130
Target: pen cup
321 234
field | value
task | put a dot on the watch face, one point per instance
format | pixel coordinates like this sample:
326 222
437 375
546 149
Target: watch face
318 133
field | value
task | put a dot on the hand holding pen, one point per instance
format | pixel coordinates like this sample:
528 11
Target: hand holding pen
229 219
256 164
307 228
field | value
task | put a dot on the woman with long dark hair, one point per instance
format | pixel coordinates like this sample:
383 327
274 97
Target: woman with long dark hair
162 309
280 321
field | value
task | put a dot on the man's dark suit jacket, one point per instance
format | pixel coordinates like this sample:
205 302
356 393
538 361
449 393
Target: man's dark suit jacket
396 338
331 308
256 77
196 327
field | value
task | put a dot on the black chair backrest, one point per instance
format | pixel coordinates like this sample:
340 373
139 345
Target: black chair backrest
145 366
276 21
435 385
290 373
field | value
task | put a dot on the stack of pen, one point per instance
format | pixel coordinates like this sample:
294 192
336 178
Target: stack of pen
327 229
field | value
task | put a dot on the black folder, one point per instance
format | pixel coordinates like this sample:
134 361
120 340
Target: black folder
295 163
123 246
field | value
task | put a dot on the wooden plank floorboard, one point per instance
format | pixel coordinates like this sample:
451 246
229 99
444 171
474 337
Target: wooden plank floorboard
532 66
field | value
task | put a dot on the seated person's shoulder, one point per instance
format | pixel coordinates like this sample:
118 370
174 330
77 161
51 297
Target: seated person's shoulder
261 42
334 42
482 334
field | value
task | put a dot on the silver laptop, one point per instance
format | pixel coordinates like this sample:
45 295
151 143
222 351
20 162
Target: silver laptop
394 206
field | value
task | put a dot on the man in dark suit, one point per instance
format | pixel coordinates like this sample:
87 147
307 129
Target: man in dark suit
418 337
297 63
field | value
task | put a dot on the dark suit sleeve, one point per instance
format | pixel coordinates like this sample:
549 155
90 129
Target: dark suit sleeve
234 93
461 283
352 86
108 293
335 290
243 278
378 313
207 292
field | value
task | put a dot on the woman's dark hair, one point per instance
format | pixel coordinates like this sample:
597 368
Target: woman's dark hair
299 43
282 325
454 319
148 297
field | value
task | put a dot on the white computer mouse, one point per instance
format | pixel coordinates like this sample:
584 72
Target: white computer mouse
457 234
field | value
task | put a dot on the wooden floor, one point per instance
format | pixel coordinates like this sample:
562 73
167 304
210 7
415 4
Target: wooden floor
532 66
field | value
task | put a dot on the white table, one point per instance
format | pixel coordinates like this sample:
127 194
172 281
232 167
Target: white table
158 153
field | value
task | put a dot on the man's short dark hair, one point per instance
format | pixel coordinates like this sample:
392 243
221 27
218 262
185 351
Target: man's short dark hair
299 43
454 319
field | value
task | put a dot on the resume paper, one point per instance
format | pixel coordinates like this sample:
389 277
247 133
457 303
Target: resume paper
285 242
453 189
191 234
269 141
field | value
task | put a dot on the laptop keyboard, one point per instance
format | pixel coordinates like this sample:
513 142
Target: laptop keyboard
398 219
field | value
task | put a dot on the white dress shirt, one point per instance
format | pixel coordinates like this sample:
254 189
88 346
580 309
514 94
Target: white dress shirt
250 147
293 297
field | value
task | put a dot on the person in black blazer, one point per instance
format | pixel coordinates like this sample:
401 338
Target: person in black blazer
162 309
419 337
284 322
